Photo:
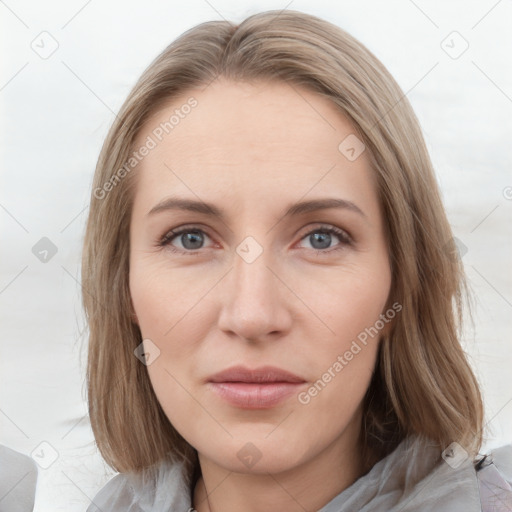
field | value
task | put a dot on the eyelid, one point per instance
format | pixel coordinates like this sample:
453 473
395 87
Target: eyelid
170 235
344 237
325 226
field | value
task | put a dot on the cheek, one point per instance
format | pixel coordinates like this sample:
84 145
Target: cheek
147 290
342 372
347 303
164 310
163 298
350 306
168 304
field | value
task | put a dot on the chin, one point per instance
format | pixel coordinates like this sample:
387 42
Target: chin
257 455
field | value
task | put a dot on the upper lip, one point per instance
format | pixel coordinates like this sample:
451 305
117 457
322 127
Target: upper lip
262 374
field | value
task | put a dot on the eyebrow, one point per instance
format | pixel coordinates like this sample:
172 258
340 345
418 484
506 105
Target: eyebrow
176 203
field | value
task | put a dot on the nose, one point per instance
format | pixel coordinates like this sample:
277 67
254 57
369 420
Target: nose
256 304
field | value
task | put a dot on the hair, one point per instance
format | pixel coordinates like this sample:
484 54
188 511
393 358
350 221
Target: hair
422 382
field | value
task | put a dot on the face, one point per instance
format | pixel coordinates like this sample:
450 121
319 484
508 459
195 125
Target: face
280 297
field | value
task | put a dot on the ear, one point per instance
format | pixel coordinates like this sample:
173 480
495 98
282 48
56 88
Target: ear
387 327
390 313
133 315
389 324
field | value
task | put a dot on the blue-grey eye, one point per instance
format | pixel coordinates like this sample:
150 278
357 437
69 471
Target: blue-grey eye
192 239
323 239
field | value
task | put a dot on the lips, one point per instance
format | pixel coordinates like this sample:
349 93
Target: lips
261 375
259 388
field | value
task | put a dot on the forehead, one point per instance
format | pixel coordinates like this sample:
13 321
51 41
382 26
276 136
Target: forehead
248 138
257 113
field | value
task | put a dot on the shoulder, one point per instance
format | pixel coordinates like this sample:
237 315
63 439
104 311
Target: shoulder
494 473
162 487
117 494
18 479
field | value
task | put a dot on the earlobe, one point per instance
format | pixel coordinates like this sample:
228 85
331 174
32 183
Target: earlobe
387 328
133 315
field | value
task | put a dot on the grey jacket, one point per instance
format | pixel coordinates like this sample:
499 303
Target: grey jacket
18 479
414 477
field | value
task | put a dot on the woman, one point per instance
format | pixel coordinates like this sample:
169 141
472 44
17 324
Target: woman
272 289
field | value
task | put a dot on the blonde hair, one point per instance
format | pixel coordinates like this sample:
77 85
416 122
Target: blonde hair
422 381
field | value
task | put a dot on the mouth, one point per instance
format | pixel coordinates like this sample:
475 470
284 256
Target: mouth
261 388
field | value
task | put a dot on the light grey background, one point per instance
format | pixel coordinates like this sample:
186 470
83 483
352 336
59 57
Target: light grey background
56 112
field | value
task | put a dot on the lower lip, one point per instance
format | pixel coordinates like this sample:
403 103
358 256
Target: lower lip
249 395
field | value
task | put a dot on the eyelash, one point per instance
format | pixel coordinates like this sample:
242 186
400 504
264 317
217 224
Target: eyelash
169 236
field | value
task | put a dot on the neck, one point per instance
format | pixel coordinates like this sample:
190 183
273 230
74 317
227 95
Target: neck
307 486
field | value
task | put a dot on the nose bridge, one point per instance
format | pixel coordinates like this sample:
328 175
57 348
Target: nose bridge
251 274
254 305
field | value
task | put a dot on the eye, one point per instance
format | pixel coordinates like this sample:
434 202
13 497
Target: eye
321 238
190 238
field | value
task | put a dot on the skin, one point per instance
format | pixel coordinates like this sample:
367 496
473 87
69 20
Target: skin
253 150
